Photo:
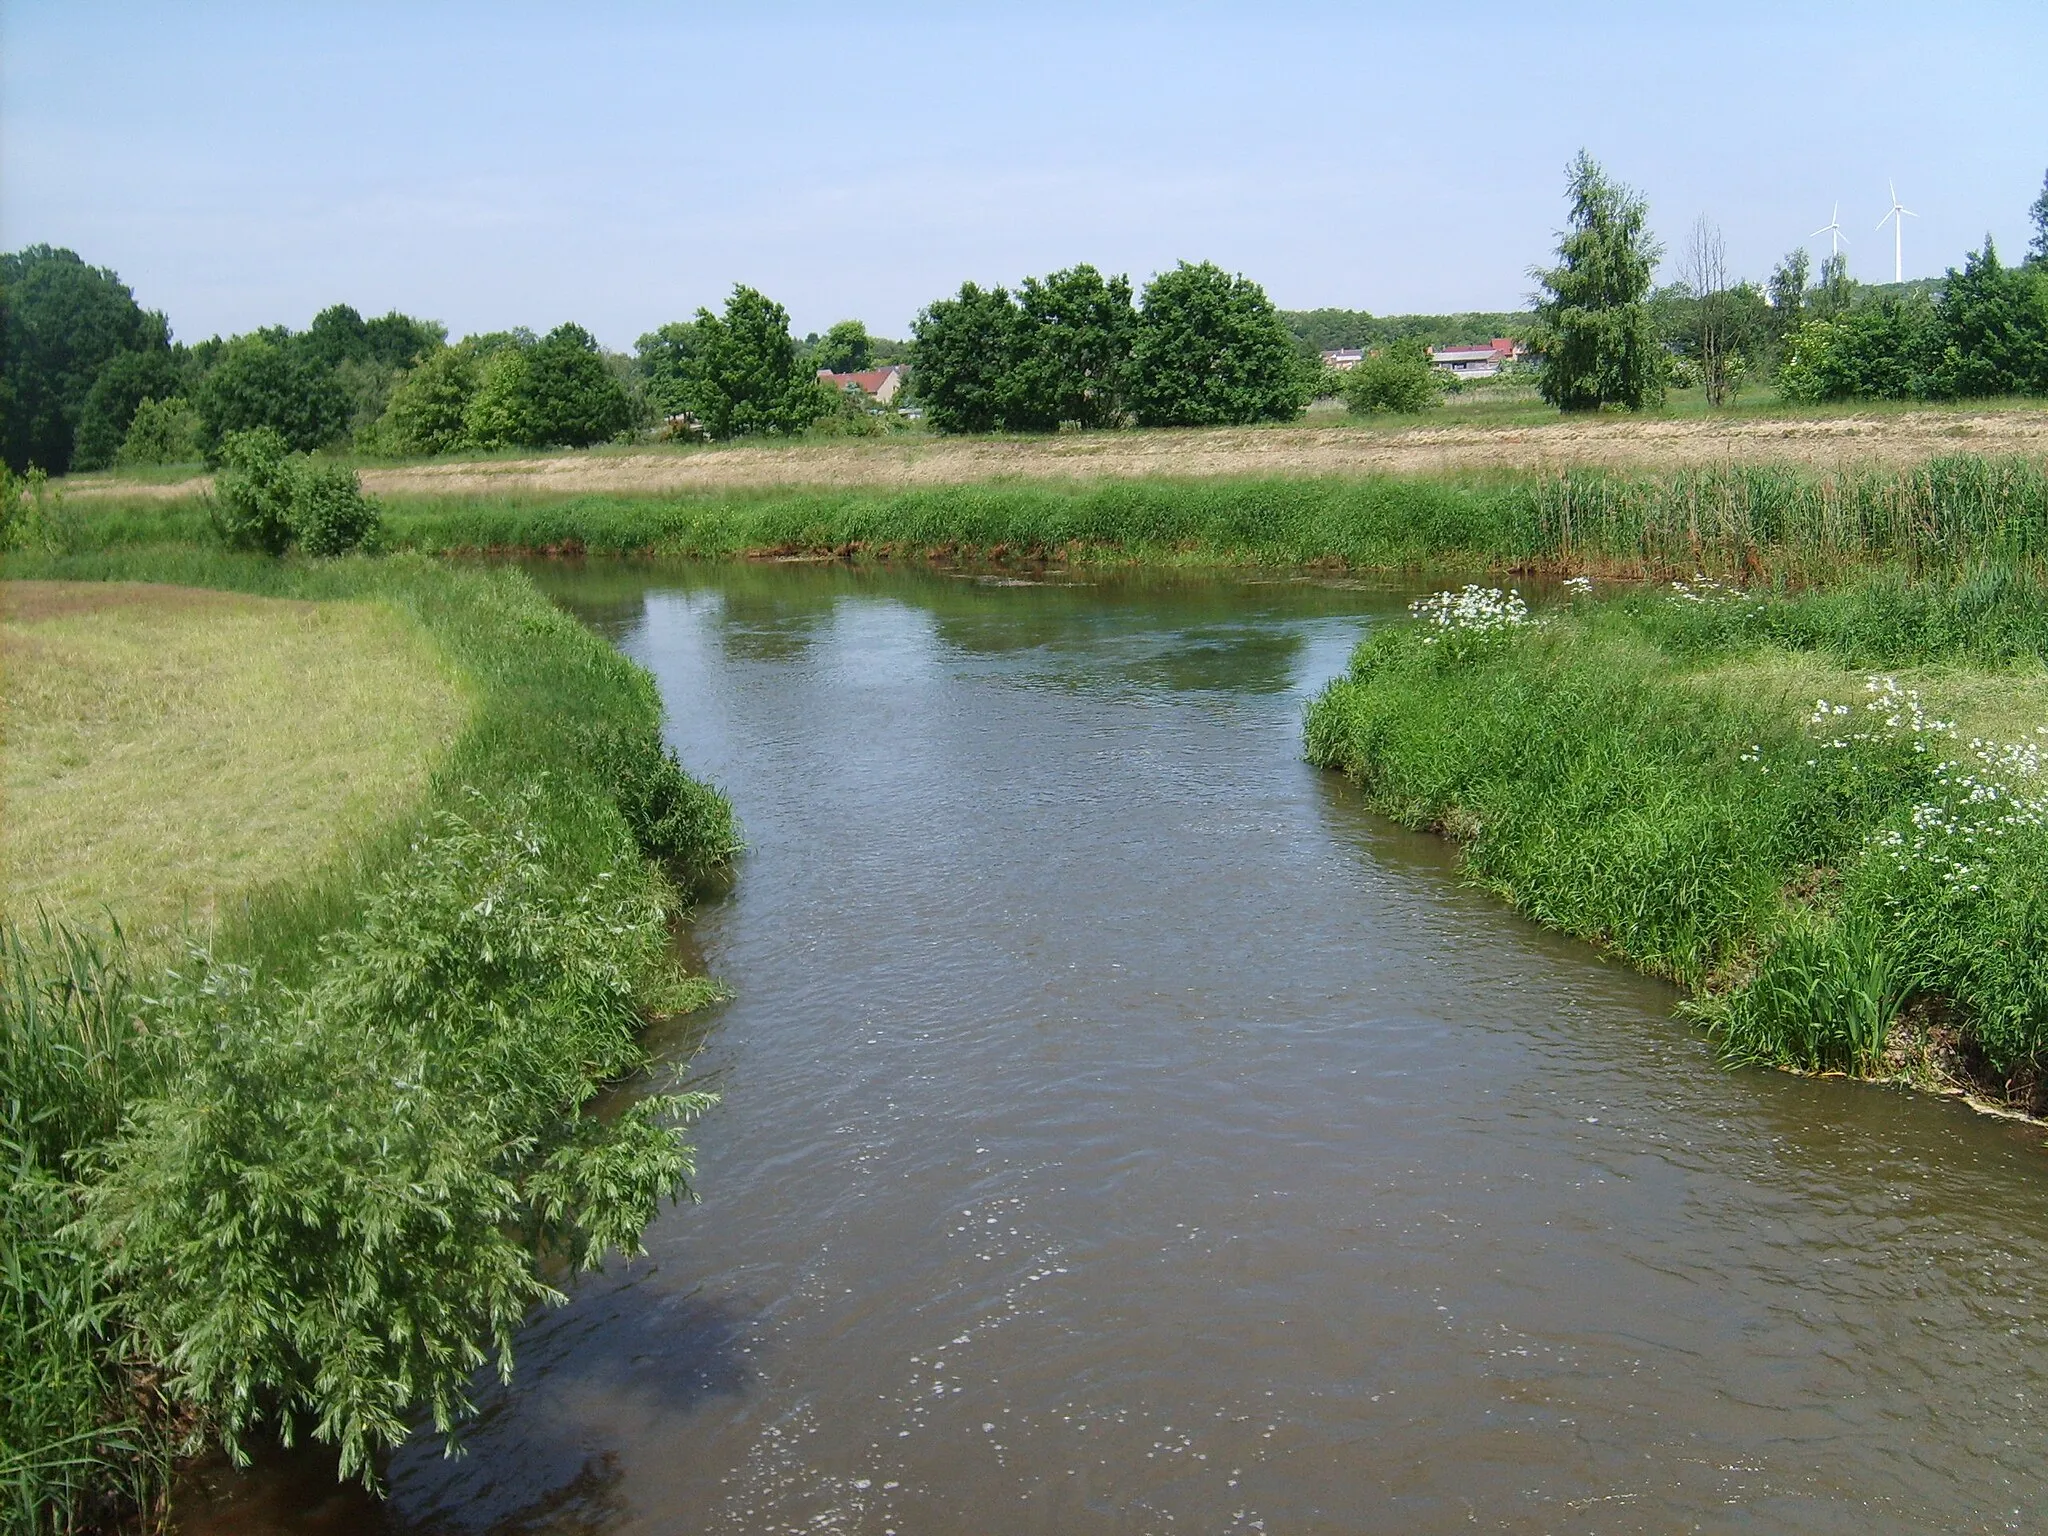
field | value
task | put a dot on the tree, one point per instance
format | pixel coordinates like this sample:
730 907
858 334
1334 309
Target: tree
1885 350
1072 362
1209 349
2037 250
1788 291
124 382
61 321
259 382
1993 323
428 410
666 357
161 432
1723 327
746 377
1396 377
1835 293
1598 345
557 390
964 352
846 348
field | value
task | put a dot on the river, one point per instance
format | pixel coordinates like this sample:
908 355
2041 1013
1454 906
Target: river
1123 1131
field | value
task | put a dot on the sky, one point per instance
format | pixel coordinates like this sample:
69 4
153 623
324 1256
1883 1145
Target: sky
622 164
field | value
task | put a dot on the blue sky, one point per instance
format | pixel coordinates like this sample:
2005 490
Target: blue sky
621 164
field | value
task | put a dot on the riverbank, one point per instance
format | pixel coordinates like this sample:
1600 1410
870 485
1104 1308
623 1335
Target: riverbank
1742 520
1821 813
305 1178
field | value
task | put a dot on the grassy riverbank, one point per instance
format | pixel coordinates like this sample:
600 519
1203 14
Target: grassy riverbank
1748 520
303 1179
1823 812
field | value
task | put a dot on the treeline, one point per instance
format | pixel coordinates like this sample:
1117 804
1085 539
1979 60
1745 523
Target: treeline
1198 347
89 379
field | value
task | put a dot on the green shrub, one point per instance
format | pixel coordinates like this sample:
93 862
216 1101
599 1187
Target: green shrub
72 1448
253 491
330 515
339 1205
162 432
1398 377
266 498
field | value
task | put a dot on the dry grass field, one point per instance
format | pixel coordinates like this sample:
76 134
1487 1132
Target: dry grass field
166 748
1814 439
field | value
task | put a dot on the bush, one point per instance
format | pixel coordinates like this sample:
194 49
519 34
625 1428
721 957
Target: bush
252 492
1398 378
330 515
341 1204
685 824
267 498
162 432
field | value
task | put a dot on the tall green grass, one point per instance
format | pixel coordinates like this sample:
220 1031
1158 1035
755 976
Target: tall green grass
1628 772
303 1182
1804 523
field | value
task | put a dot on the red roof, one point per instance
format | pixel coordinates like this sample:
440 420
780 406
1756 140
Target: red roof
870 380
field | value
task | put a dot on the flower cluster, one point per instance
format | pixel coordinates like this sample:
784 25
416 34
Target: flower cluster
1579 586
1986 795
1476 610
1901 709
1704 589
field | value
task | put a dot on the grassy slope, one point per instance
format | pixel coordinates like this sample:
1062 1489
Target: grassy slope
404 1140
1645 773
169 747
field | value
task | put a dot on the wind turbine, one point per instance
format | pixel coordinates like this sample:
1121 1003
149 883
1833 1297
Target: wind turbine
1833 228
1898 216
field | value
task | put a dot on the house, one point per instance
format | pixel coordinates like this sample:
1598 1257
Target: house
878 384
1343 359
1481 360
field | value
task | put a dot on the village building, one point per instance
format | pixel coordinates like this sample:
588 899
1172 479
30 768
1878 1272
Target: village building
1343 359
1480 360
878 384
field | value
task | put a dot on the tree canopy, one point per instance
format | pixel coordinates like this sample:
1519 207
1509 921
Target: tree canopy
1209 349
746 377
1598 344
61 322
845 348
556 391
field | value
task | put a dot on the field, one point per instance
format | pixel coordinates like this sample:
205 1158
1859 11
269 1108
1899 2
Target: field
170 747
1485 436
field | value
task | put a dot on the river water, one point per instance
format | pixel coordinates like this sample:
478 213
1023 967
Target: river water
1123 1131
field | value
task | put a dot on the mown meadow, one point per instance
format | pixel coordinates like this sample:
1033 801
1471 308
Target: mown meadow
303 1170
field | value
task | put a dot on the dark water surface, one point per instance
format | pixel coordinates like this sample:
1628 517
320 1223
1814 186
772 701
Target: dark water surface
1123 1131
